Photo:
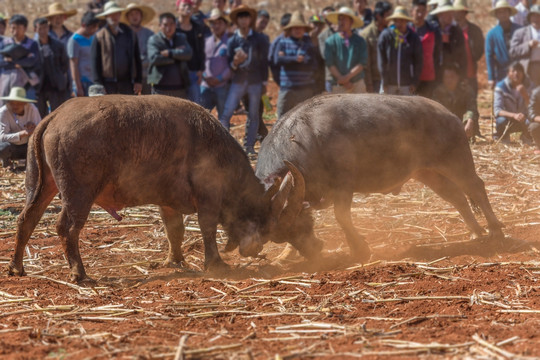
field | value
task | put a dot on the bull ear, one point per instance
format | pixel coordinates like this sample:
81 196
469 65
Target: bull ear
295 200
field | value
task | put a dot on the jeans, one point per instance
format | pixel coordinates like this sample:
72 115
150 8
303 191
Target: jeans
214 97
118 87
236 92
194 90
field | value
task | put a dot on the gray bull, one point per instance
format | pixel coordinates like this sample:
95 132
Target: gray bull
121 151
345 144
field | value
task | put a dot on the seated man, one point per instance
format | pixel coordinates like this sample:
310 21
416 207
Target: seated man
18 119
534 118
459 99
510 104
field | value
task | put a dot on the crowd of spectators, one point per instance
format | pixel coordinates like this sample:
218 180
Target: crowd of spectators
223 59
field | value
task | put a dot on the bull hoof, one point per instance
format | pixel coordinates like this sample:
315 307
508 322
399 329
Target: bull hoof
361 252
174 264
216 266
84 281
14 270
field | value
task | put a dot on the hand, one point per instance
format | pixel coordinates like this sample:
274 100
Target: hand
24 133
212 81
137 88
80 91
342 80
164 53
349 86
300 58
522 90
30 127
533 43
7 59
519 117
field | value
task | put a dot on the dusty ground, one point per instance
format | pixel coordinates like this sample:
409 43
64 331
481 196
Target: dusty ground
428 290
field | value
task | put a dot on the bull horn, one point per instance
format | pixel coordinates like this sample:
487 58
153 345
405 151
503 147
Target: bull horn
295 201
273 189
278 201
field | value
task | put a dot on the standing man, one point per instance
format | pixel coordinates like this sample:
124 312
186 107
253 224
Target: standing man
431 39
474 42
363 12
22 66
168 54
136 16
116 61
18 119
382 11
522 11
54 86
217 74
453 42
400 56
56 16
195 37
498 42
346 53
295 55
80 55
248 58
525 45
323 36
317 27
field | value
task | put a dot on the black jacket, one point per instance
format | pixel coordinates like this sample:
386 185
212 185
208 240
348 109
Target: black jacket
197 61
54 63
179 53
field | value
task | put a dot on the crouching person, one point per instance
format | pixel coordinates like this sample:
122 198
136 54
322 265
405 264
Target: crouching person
534 118
18 119
510 104
459 98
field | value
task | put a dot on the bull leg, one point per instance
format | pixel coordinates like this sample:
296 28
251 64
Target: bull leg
174 228
449 191
357 243
70 222
208 220
474 187
27 222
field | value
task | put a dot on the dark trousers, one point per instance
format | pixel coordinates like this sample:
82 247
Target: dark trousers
425 88
179 93
263 130
513 126
118 87
9 151
534 130
54 98
289 98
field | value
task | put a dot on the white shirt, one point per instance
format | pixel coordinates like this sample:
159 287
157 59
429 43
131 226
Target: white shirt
11 124
521 17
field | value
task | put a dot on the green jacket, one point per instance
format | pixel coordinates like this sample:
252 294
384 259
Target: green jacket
179 54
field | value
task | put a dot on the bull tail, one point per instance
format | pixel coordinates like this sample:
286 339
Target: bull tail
35 170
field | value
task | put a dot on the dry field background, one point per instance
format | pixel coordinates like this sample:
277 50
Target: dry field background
428 291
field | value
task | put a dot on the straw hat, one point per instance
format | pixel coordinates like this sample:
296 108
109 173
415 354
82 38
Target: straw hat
243 8
297 20
147 13
503 4
444 6
110 7
461 5
400 13
535 9
333 17
17 94
58 9
216 14
433 2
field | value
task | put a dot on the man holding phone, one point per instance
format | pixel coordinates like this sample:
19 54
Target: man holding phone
248 58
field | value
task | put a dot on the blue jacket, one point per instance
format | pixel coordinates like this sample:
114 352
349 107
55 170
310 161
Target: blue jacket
255 68
292 73
497 54
507 99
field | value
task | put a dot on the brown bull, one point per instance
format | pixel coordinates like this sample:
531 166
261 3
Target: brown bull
121 151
